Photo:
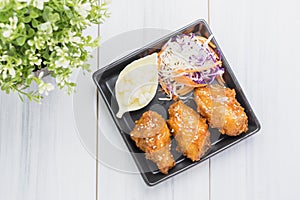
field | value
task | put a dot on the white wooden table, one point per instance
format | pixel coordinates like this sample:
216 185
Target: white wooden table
42 156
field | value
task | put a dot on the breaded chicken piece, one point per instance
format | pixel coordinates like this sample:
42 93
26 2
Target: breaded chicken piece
152 135
222 110
190 130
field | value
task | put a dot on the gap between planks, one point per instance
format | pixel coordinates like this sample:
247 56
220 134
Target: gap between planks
209 160
97 121
97 137
208 12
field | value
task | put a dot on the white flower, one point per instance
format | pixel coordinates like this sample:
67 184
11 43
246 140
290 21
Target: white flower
11 71
38 42
83 9
36 3
24 1
74 38
7 33
8 29
62 62
30 76
23 4
61 55
3 3
66 7
77 55
34 59
45 28
45 88
4 72
13 22
4 56
60 80
39 3
41 75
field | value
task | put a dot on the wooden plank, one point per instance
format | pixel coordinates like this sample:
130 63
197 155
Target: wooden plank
10 145
194 183
260 40
127 16
41 154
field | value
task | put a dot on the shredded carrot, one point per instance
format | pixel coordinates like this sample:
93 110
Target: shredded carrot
203 39
158 55
211 46
187 81
199 69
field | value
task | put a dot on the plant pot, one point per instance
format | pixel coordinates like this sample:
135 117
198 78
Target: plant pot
44 70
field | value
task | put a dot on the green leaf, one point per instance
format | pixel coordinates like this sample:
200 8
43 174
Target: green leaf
69 14
20 96
4 16
27 19
46 55
35 23
47 13
54 18
29 96
17 54
30 33
34 14
72 84
22 12
20 41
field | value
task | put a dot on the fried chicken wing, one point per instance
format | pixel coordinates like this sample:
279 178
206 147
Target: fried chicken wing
222 110
190 130
152 135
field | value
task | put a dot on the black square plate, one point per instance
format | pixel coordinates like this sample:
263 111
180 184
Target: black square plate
105 80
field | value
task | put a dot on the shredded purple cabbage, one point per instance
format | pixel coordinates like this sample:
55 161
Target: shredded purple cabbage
189 49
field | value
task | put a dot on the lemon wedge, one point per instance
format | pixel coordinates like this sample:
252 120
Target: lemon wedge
137 84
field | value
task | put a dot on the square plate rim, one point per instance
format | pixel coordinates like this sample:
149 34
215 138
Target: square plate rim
140 50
